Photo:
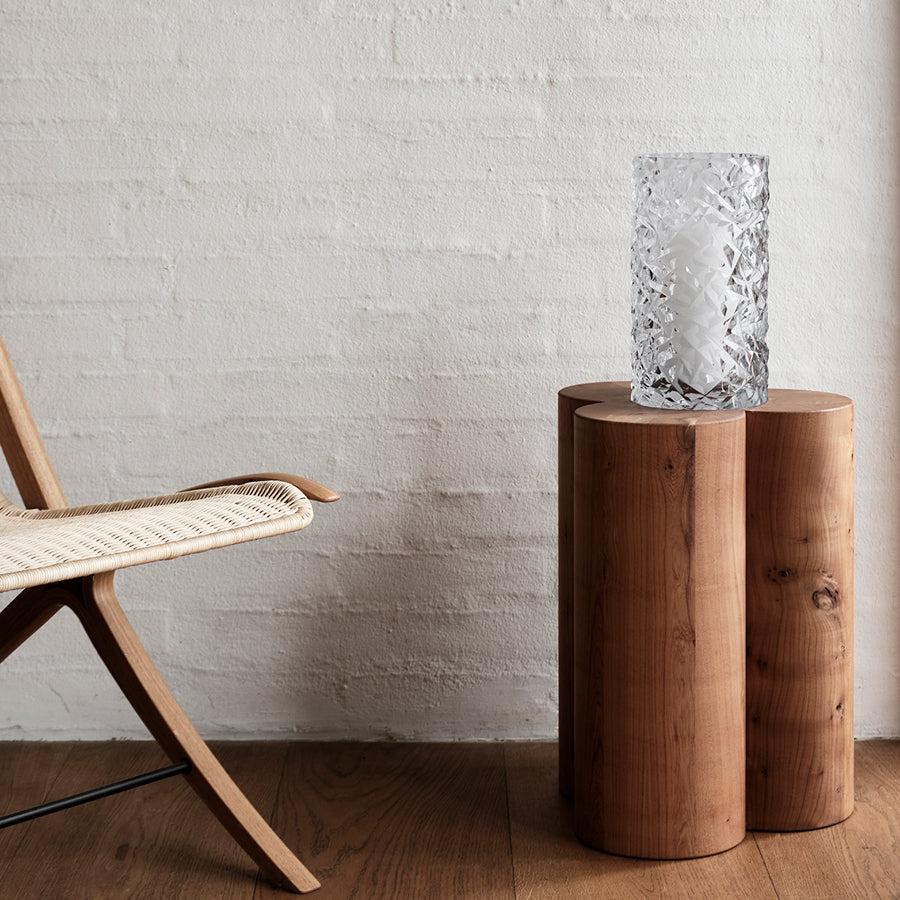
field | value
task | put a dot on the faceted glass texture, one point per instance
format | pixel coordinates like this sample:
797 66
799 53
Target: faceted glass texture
700 269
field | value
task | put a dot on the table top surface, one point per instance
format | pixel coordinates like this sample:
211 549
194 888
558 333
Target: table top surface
626 412
615 396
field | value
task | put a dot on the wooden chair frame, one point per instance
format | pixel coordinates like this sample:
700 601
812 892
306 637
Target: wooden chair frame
94 602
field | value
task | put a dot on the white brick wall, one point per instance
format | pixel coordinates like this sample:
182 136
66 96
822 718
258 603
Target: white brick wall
382 235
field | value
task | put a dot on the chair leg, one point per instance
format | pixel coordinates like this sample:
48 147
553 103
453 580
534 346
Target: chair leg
124 656
31 609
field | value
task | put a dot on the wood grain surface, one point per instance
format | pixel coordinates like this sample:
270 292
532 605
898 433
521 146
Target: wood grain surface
799 611
388 821
659 630
571 399
408 821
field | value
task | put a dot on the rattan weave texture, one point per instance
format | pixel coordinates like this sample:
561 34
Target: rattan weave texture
44 546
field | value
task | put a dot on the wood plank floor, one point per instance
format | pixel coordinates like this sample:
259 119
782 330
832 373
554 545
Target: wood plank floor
398 821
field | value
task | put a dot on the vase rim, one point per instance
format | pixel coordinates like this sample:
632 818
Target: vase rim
701 155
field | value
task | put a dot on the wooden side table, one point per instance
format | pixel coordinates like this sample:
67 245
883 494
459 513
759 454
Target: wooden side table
654 506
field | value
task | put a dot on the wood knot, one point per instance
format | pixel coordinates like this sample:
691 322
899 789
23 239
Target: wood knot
685 636
782 575
826 598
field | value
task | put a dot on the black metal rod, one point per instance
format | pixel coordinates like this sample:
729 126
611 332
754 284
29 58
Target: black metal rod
44 809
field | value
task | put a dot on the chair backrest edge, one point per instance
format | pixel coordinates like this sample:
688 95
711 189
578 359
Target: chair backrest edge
23 448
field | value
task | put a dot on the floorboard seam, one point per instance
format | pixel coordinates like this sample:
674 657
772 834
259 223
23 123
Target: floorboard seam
512 859
762 856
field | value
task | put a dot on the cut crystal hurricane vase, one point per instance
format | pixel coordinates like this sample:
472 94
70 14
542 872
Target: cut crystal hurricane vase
700 268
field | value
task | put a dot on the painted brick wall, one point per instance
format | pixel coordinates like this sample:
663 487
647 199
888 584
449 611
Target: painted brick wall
368 242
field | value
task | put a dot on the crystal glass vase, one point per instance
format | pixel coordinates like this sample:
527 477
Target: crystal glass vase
699 266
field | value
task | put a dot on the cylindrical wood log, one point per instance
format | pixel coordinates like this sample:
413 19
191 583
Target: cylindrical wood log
659 630
799 611
570 399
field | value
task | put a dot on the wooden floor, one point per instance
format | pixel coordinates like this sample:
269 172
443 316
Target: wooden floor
397 821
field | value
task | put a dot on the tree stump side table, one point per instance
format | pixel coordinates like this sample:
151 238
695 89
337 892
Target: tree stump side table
659 606
648 563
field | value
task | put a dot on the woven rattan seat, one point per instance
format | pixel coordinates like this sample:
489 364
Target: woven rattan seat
59 556
41 546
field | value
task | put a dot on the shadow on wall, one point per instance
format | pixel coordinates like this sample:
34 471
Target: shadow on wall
445 625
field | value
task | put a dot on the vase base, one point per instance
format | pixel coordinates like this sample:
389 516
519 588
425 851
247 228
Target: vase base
682 396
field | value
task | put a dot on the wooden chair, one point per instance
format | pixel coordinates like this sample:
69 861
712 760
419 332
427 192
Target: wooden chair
59 556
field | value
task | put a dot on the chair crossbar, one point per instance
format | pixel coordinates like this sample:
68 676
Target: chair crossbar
107 790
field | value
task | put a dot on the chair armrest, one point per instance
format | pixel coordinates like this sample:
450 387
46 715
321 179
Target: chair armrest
310 488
